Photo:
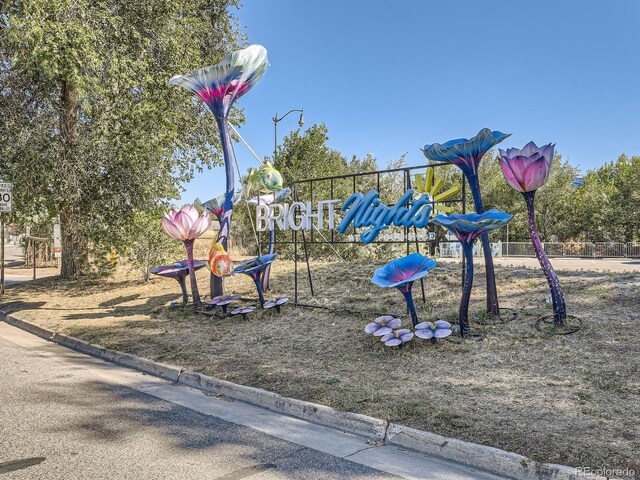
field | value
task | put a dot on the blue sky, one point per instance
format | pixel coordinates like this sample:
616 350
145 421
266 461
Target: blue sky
387 77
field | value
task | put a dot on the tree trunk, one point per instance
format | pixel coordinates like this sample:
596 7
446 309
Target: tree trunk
73 244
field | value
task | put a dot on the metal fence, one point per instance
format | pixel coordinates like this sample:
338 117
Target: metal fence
574 249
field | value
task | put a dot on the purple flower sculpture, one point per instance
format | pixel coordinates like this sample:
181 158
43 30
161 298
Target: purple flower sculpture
397 338
526 170
219 87
466 155
401 273
255 269
179 271
433 331
383 325
243 311
277 303
467 227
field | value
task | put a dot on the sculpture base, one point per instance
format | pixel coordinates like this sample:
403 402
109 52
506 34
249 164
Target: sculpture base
546 325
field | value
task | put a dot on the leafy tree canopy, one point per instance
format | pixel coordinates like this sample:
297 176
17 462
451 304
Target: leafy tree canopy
92 132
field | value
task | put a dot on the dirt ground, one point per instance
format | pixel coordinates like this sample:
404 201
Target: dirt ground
569 399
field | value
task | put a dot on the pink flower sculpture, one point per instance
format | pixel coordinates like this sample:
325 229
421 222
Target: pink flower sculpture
526 170
186 225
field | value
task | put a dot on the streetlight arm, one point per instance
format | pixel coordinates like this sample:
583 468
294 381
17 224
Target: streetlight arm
276 119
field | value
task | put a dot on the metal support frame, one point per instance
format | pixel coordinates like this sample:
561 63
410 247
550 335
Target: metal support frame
415 243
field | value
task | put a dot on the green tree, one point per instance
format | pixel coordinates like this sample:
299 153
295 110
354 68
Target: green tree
609 201
91 130
149 246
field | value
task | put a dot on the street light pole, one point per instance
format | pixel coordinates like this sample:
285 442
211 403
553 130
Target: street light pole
277 119
272 233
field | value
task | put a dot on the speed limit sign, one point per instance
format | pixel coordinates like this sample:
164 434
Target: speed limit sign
5 197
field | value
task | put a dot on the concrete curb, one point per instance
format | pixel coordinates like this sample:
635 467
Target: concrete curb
489 459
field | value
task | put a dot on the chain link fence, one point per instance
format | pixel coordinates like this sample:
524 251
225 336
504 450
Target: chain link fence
552 249
575 249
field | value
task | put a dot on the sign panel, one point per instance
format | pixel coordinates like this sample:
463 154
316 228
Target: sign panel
360 211
5 197
57 242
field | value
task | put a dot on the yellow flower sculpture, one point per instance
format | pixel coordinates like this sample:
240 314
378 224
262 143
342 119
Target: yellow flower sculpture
426 184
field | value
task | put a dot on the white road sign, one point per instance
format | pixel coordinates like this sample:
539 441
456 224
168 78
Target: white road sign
5 197
57 242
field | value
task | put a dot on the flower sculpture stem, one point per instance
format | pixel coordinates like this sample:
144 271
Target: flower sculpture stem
557 295
267 272
258 282
192 274
466 154
465 330
217 283
183 288
406 291
467 228
255 269
493 307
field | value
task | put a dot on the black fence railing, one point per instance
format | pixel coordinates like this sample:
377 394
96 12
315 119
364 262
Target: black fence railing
390 184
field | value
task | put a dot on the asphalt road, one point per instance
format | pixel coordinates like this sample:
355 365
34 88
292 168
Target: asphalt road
60 422
64 415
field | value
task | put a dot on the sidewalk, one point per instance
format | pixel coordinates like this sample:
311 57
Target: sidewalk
15 271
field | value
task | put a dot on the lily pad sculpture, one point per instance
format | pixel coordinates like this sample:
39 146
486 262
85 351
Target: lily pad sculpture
226 301
526 170
255 268
186 225
179 272
277 303
401 273
219 86
466 155
244 311
466 228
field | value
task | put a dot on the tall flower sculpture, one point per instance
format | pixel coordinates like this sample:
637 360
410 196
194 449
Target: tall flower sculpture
526 170
267 180
467 227
219 87
401 273
186 225
466 155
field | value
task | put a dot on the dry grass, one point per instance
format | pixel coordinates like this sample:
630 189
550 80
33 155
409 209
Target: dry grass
566 399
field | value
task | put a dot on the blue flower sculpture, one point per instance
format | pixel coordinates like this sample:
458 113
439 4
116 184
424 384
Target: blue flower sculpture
255 268
401 273
466 155
467 227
